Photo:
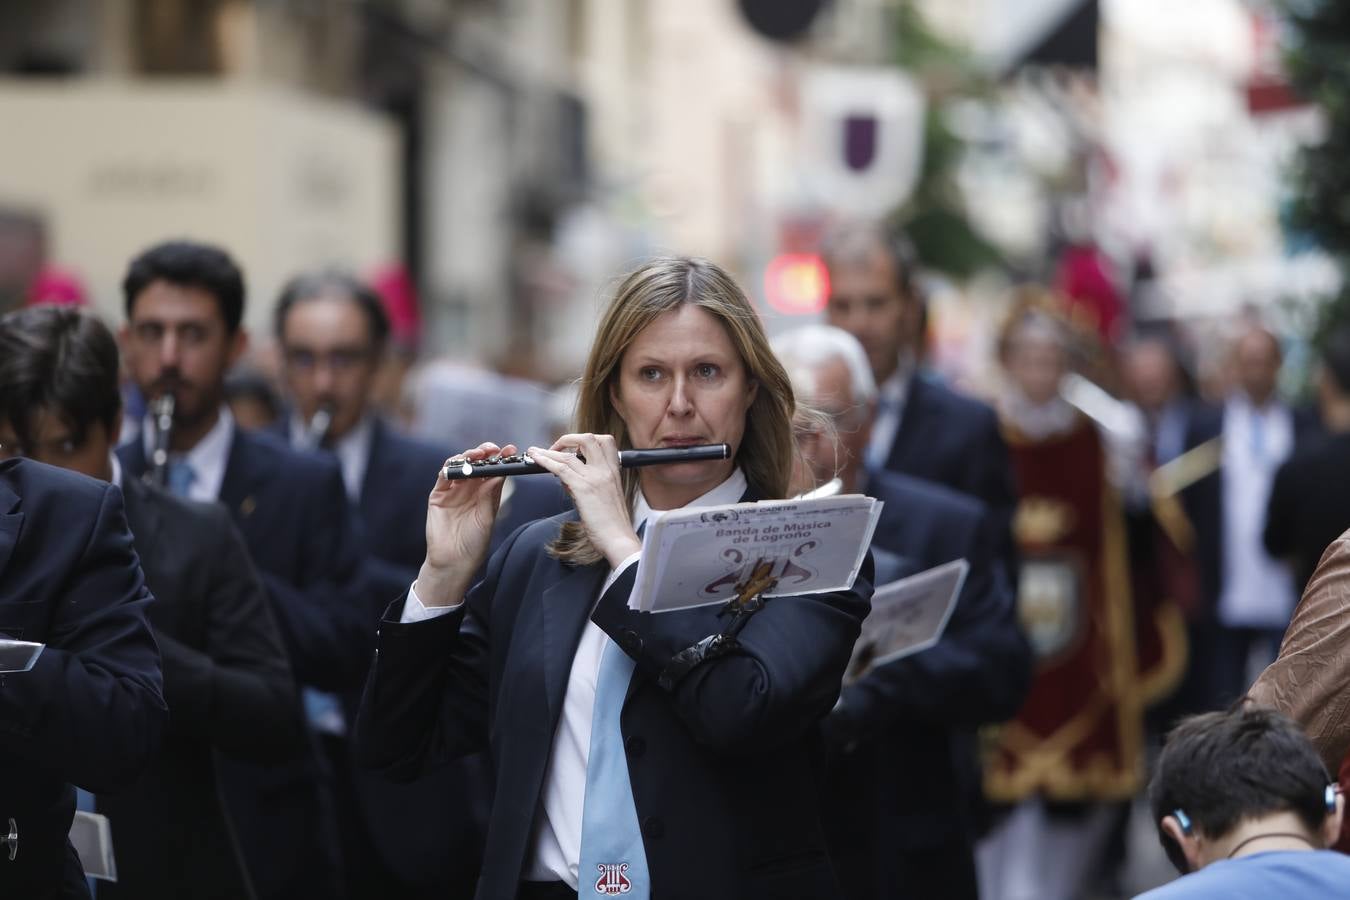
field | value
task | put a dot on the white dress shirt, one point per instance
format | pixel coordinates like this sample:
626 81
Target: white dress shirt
556 841
1258 591
352 451
208 459
892 395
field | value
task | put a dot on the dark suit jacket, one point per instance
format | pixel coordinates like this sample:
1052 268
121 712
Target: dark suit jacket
1310 503
292 510
429 831
954 440
91 711
229 688
723 768
399 476
907 773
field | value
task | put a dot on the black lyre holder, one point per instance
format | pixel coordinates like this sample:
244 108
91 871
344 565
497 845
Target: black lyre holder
749 600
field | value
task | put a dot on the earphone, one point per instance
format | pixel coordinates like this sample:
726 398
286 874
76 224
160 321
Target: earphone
1185 821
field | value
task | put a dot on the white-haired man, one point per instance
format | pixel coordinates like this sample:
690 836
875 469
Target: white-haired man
899 808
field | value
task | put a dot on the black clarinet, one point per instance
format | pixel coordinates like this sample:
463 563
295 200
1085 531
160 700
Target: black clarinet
459 468
162 411
316 429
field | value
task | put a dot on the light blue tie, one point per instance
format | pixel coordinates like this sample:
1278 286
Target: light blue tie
180 477
613 861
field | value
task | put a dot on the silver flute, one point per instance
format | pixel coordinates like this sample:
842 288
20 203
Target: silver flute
161 408
459 468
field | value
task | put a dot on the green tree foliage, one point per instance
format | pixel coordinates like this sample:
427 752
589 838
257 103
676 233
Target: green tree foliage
1318 61
934 217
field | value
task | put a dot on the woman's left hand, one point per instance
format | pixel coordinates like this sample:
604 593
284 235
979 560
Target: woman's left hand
596 486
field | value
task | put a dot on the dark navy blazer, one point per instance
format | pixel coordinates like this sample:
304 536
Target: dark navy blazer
429 831
91 711
229 689
399 476
293 513
724 768
907 773
954 440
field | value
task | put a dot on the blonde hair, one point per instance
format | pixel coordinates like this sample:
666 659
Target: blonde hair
657 287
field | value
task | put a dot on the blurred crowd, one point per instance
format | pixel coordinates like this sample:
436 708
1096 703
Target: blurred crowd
1140 533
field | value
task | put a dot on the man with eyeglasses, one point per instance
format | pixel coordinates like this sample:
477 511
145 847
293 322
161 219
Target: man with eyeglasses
333 332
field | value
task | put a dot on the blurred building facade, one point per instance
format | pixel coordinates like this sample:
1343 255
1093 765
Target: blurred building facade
516 155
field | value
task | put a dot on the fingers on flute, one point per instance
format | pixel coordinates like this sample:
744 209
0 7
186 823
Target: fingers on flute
554 461
600 446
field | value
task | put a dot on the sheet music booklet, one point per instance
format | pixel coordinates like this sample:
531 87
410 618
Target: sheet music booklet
907 616
696 556
91 835
18 656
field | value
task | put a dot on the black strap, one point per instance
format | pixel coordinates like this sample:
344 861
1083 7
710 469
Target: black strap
711 647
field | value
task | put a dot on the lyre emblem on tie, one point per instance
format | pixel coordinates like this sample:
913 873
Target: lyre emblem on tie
613 879
12 840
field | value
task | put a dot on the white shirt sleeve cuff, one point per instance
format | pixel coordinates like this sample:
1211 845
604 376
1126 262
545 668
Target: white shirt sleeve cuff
414 611
619 570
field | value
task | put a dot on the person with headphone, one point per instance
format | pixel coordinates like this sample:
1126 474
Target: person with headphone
1245 808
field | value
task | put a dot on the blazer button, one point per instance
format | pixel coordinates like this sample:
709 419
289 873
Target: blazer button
629 641
636 746
653 828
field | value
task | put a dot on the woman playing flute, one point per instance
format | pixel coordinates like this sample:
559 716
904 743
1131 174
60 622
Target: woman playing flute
606 782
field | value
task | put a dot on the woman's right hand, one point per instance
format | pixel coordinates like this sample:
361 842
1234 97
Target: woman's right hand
460 516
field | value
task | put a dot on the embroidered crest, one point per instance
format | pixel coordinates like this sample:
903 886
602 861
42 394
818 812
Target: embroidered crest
613 879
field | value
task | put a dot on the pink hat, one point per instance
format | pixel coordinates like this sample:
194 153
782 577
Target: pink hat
56 286
399 296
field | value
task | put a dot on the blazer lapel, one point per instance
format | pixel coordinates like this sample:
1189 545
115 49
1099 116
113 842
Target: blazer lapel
911 416
566 608
237 490
10 522
376 464
142 515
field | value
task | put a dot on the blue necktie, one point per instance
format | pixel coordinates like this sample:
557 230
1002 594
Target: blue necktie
613 861
180 477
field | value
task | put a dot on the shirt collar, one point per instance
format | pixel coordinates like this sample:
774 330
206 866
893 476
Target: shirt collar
116 469
892 392
729 491
353 452
208 458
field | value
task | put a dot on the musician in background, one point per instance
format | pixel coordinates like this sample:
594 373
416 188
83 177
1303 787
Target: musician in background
333 333
1076 745
609 778
90 712
184 305
906 777
922 428
226 679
